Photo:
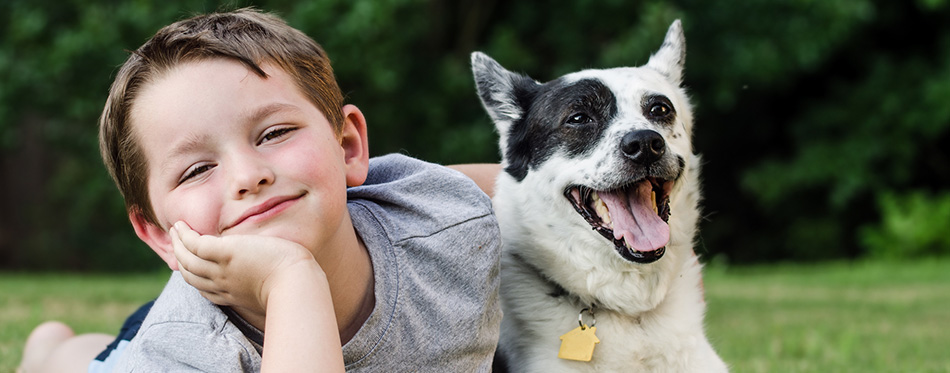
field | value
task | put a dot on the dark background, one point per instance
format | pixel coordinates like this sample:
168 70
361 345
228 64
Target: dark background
823 125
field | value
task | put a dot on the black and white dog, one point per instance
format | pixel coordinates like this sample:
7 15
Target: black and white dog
598 210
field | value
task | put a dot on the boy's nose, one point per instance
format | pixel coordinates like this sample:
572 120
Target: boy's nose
252 189
250 177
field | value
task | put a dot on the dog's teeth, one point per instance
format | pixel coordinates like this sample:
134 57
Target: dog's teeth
653 199
601 209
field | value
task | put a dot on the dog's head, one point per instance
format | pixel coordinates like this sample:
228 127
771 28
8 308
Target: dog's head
613 143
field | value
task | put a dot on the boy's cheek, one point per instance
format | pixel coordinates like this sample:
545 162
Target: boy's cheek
199 214
172 264
165 250
155 236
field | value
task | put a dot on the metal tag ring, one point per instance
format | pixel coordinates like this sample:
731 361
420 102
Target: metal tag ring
580 318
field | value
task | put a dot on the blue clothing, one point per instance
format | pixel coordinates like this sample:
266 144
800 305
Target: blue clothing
106 360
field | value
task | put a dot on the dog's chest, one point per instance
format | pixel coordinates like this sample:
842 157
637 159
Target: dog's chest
538 317
624 344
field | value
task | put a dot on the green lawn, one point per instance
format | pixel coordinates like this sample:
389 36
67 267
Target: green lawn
864 317
88 303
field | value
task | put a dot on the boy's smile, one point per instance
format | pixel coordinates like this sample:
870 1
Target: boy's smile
230 152
265 210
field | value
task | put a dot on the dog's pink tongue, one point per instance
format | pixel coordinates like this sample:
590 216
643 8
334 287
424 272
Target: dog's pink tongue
634 219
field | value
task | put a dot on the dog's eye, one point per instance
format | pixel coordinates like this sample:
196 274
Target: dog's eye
659 110
578 119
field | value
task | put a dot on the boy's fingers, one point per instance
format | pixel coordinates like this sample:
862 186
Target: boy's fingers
187 236
203 284
188 261
185 257
203 246
195 266
215 298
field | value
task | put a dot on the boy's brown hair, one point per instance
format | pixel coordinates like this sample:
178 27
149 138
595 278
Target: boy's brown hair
245 35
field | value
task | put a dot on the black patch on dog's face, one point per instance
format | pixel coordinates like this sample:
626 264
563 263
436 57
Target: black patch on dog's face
571 117
658 109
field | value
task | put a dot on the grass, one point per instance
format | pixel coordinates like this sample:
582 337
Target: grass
839 317
833 317
88 303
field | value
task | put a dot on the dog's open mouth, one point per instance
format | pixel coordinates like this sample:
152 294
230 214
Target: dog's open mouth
635 218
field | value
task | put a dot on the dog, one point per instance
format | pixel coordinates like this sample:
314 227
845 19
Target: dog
598 208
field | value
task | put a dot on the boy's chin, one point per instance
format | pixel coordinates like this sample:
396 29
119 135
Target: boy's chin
304 237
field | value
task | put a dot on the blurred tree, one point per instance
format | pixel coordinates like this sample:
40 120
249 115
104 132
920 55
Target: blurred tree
59 208
871 120
913 225
807 112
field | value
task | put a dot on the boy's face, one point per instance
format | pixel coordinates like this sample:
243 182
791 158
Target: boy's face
230 152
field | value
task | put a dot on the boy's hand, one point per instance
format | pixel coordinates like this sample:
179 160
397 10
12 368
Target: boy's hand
238 270
261 273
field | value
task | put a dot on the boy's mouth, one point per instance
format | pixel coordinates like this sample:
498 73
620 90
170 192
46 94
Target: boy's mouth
266 209
634 217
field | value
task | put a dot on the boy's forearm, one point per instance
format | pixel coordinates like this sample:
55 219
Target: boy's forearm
301 329
484 174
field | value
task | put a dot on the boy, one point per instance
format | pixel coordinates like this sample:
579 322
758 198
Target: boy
241 166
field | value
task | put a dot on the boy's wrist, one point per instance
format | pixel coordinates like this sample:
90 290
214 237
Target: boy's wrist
298 278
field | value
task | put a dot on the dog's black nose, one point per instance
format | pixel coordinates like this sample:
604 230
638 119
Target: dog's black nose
643 146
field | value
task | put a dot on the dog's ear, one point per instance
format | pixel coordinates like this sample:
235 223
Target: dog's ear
499 89
671 57
503 93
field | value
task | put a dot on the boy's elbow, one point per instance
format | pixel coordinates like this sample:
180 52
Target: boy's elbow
483 174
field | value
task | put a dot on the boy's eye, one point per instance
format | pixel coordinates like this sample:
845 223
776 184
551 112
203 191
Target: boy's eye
275 134
194 172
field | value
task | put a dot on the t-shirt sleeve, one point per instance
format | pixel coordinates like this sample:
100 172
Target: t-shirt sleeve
435 246
185 332
160 347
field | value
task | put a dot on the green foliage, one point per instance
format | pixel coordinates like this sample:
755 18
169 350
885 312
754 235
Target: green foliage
842 114
806 111
912 225
862 134
56 63
835 153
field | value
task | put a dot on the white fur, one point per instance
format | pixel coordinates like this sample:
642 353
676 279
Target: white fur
649 317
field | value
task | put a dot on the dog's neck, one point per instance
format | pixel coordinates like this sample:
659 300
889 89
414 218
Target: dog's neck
658 295
557 291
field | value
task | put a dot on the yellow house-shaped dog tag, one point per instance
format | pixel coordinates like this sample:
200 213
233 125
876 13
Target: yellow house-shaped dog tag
578 344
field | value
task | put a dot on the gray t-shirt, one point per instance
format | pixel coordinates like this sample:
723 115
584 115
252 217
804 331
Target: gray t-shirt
434 244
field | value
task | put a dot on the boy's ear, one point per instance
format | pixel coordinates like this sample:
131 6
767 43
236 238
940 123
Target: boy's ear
155 237
355 145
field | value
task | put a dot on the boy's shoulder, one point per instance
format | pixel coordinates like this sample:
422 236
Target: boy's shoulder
180 302
417 196
392 168
435 247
